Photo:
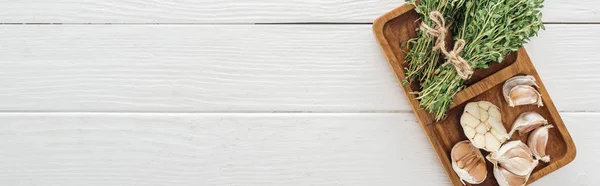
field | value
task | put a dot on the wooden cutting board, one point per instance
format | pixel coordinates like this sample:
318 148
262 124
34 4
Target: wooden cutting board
400 25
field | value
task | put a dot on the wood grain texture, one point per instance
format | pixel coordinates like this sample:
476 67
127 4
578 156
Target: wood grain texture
240 149
292 68
331 68
193 68
213 149
239 11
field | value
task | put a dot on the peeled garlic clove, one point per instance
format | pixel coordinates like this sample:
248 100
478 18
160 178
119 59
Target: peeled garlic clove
482 124
538 140
527 122
520 90
507 178
515 157
468 163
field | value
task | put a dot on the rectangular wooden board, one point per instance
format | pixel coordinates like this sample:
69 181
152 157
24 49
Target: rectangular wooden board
400 25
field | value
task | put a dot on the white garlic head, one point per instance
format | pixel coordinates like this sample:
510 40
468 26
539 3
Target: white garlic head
520 90
468 163
507 178
482 123
527 122
538 140
515 157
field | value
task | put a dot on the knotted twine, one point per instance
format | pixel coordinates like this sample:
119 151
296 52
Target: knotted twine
462 66
440 30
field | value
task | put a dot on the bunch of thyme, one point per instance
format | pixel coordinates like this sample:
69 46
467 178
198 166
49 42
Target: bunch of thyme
491 30
422 59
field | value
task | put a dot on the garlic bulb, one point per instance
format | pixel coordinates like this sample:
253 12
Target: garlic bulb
515 157
527 122
482 123
520 90
507 178
537 142
468 163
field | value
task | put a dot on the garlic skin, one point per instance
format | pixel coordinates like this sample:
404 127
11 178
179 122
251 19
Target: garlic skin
482 124
527 122
515 157
538 140
525 95
507 178
520 90
468 163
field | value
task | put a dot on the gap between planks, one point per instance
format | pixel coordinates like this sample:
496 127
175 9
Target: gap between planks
42 112
205 112
282 23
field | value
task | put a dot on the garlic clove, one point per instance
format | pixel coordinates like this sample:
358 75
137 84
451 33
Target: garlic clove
538 140
494 113
507 178
498 129
498 135
468 163
521 80
469 132
520 90
484 105
481 129
473 109
527 122
482 124
515 157
525 95
484 115
469 120
491 142
479 141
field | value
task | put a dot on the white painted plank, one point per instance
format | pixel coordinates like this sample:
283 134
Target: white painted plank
194 68
239 11
235 68
193 11
240 149
214 149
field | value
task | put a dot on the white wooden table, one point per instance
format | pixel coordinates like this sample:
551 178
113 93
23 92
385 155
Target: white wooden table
195 92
